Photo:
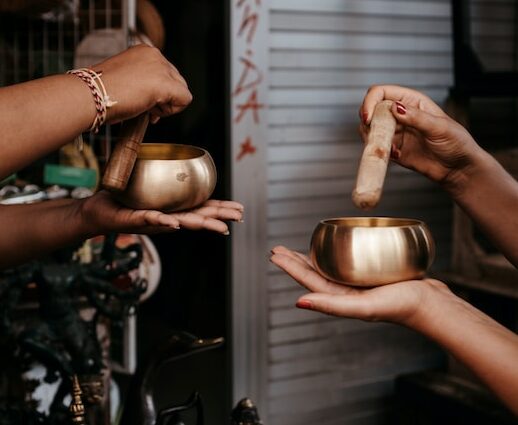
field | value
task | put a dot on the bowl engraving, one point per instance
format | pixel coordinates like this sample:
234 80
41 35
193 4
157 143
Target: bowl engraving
181 177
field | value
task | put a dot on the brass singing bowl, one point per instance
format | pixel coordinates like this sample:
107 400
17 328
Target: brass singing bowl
372 251
169 177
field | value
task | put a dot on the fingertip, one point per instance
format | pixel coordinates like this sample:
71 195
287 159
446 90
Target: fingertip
186 98
304 304
238 206
227 204
225 231
402 112
399 108
363 112
236 218
412 116
278 249
277 259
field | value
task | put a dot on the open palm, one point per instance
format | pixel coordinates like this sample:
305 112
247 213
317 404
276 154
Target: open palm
105 214
397 302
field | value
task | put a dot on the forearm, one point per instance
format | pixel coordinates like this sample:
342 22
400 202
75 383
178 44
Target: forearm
483 345
28 231
38 117
489 195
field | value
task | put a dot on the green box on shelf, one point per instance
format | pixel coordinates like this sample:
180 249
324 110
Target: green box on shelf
69 176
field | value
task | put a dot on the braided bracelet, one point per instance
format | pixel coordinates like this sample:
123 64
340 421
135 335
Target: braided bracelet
101 98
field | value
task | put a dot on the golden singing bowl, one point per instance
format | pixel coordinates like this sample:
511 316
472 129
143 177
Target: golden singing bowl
372 251
169 177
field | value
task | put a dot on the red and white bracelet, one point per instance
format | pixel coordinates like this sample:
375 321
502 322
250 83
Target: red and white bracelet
101 98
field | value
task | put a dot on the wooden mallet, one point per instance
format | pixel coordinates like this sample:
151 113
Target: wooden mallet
375 157
121 162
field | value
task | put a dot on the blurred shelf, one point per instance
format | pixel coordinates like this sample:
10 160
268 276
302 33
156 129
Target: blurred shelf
493 286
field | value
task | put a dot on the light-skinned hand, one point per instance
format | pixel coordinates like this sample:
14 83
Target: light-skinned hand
427 140
398 302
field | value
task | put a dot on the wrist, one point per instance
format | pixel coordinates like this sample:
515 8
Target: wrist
429 311
461 180
100 97
86 219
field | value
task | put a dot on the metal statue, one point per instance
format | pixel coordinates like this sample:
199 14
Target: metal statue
58 336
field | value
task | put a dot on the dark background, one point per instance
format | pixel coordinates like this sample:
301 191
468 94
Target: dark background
193 294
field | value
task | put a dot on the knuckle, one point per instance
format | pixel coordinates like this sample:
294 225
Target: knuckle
373 88
188 97
153 51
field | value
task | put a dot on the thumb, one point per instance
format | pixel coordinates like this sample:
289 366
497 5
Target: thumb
428 124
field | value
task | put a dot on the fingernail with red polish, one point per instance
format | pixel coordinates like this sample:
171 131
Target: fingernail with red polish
400 108
304 304
365 117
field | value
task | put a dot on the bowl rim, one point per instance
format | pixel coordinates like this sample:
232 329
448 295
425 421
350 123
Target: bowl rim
355 220
202 151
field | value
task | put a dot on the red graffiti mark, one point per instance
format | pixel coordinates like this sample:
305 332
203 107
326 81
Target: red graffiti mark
249 20
247 148
250 77
251 104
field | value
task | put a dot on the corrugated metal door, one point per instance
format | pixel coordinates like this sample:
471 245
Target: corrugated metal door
323 56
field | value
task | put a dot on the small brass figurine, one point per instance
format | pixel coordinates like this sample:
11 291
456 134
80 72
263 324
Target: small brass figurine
77 408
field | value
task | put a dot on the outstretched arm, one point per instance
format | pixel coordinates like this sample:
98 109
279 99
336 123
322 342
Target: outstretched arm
39 116
435 145
427 306
29 231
